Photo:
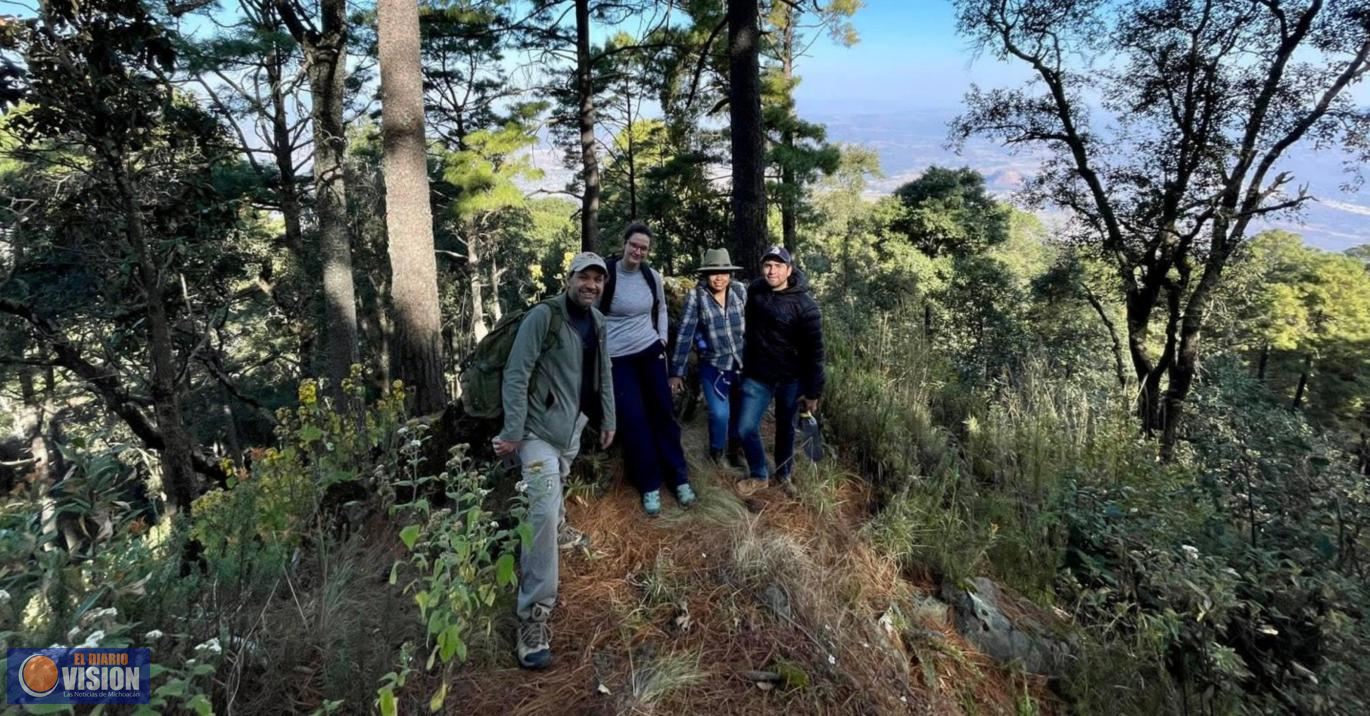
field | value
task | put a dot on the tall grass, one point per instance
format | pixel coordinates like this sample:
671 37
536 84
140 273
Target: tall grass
1040 479
966 476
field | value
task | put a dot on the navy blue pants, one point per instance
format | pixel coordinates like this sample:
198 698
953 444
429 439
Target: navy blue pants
647 428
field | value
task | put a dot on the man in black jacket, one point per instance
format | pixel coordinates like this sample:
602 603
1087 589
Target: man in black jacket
782 361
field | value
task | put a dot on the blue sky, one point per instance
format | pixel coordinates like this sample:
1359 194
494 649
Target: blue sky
909 57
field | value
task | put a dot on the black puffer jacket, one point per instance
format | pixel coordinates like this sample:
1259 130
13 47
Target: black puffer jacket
784 336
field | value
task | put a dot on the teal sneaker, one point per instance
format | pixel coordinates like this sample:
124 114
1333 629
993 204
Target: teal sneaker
684 494
651 502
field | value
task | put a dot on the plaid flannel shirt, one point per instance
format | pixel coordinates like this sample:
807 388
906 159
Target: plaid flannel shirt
720 326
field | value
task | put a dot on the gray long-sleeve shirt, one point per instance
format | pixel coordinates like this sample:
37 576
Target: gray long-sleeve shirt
630 326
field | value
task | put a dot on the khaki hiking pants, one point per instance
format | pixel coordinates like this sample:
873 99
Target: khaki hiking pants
544 469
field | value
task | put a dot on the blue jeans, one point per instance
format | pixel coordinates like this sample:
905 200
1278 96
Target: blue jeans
719 388
756 397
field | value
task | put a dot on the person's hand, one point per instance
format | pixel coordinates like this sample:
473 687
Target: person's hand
606 438
505 447
810 405
677 385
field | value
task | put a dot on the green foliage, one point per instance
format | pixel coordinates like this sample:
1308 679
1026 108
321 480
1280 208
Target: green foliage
1230 578
949 212
484 172
273 504
462 560
1303 316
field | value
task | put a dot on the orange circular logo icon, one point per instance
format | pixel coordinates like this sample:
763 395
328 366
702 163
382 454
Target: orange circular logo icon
38 675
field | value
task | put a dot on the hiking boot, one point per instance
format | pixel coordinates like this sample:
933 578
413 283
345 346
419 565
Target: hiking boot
751 485
788 487
724 462
569 537
684 494
651 502
535 639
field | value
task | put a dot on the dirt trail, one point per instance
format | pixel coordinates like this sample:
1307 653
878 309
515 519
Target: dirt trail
768 605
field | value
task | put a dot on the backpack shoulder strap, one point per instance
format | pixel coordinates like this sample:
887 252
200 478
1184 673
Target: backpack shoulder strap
554 322
649 275
606 297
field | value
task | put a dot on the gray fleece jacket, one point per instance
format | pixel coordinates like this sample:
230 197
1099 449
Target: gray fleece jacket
542 382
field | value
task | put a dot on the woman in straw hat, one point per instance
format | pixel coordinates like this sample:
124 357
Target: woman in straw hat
712 322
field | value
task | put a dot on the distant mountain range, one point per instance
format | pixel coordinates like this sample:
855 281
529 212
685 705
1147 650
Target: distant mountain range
908 142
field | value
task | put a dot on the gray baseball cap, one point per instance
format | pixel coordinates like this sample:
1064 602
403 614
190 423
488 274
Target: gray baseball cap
588 259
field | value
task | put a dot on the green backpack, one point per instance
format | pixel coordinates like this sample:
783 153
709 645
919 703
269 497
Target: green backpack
482 373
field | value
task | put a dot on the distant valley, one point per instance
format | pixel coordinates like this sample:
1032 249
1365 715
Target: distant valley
908 142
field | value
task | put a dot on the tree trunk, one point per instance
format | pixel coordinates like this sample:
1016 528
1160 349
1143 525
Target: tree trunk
408 215
326 65
747 137
178 472
1183 363
1303 381
1140 302
789 192
632 160
33 420
34 417
1264 362
233 441
496 310
1116 343
283 150
585 118
478 328
385 332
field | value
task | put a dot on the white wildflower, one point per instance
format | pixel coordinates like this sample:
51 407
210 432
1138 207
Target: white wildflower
522 486
903 699
494 525
404 430
153 635
1190 551
211 646
93 640
414 445
98 614
832 660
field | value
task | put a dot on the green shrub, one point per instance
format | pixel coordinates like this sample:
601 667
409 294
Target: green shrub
460 558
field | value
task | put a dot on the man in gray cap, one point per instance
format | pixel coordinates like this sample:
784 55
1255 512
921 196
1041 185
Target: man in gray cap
558 379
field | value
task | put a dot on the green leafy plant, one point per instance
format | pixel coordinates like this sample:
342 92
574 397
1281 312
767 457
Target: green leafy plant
461 556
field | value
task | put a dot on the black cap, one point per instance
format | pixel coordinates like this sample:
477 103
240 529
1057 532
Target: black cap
778 252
